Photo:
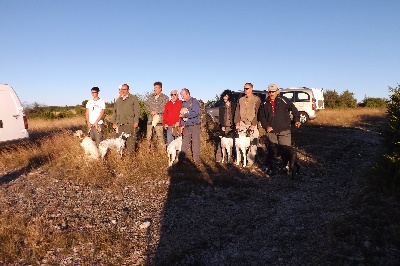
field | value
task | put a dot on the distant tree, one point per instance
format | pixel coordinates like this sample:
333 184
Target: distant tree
374 102
347 100
213 101
84 103
331 99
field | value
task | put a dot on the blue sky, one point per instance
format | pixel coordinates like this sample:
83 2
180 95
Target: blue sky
54 52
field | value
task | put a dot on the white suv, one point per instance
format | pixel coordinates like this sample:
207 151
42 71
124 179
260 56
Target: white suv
303 99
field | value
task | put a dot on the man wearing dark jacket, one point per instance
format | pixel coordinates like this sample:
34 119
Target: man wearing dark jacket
274 115
125 116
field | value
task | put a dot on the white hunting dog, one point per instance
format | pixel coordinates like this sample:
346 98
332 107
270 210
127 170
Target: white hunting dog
117 143
173 150
242 143
227 145
88 145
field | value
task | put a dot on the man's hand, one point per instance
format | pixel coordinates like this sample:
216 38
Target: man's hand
297 124
223 128
135 124
269 129
252 127
114 126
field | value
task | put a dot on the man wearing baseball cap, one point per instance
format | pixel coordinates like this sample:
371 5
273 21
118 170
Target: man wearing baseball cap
274 115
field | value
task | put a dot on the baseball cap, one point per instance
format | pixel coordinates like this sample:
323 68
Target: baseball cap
272 87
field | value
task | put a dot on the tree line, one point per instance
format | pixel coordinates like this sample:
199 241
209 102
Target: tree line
346 99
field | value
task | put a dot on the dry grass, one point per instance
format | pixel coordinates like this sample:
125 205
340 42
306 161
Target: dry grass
358 117
30 236
40 125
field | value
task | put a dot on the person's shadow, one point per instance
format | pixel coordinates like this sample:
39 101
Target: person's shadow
196 220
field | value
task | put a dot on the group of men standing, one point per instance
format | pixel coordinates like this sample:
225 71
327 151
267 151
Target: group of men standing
177 116
249 112
173 115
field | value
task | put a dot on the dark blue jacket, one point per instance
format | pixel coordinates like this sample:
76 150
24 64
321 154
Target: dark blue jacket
193 114
280 120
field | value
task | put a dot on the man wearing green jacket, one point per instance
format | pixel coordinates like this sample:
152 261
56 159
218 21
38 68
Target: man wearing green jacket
126 116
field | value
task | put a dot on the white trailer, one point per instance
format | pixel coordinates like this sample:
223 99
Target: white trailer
13 122
319 98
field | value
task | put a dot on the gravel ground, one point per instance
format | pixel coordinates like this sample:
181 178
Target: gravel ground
218 215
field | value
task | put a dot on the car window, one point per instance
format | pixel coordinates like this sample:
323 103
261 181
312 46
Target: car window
289 95
262 96
236 97
210 104
219 103
302 96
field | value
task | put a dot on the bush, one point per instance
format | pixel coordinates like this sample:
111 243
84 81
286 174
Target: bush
36 110
392 136
374 102
386 173
331 99
345 100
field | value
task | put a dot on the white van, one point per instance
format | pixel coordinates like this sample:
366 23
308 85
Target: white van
13 122
304 100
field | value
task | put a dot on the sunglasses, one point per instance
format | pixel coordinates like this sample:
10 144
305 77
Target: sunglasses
246 88
271 91
173 94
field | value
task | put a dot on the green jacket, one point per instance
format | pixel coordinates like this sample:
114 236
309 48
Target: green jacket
126 111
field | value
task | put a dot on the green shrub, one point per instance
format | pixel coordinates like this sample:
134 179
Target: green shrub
386 174
374 102
345 100
392 136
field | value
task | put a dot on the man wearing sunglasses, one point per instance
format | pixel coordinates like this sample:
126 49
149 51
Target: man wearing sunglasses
275 117
171 115
246 119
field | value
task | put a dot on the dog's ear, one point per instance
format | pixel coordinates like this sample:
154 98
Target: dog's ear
217 133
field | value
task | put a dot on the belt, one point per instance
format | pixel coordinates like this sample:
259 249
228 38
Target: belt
192 125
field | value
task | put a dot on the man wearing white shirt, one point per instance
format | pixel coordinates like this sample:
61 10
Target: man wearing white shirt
95 109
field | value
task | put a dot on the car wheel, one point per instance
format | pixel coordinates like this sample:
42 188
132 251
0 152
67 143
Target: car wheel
303 117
